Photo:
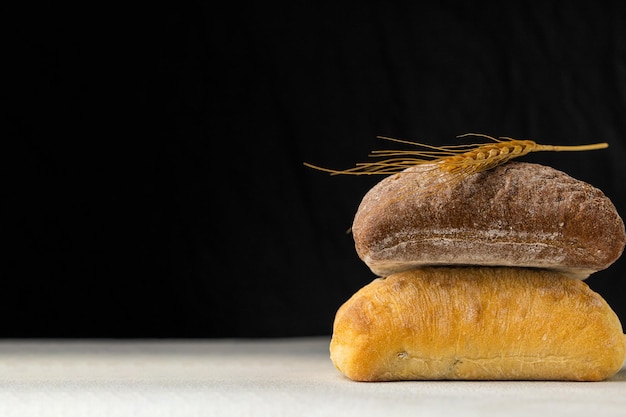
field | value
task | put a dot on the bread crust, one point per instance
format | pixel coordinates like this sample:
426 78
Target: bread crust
477 323
518 214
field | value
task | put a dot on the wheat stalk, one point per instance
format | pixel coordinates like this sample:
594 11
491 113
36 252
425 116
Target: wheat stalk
457 160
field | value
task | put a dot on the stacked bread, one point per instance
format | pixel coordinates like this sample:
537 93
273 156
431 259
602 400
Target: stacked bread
482 279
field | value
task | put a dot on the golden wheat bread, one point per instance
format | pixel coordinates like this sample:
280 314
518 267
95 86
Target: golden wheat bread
517 214
477 323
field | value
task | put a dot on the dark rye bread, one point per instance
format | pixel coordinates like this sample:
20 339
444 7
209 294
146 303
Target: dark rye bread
518 214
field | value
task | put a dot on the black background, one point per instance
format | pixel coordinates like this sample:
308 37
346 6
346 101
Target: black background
152 158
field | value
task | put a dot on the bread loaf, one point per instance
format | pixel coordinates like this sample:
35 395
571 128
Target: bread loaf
477 323
518 214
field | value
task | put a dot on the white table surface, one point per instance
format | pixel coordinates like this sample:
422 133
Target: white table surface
275 377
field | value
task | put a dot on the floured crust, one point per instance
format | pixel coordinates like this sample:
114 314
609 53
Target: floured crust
518 214
477 323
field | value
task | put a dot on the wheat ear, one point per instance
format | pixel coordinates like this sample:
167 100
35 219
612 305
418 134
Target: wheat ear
454 159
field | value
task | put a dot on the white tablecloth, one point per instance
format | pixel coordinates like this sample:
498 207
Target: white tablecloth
283 377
